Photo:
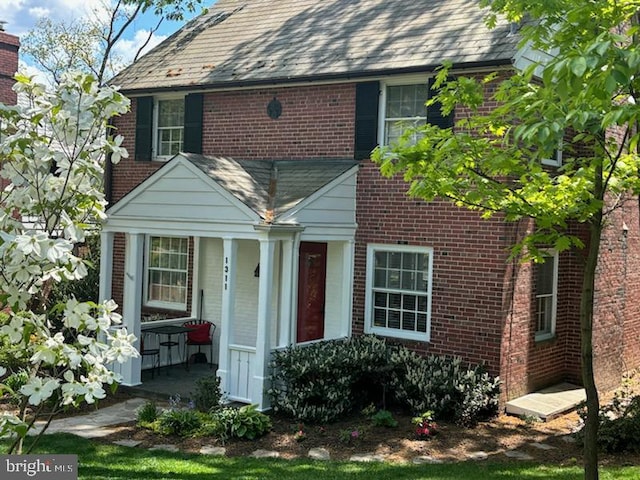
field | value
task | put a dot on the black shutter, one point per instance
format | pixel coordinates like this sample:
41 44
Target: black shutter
367 99
144 128
434 114
193 123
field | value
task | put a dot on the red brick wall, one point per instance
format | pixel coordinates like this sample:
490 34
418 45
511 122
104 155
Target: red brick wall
468 268
9 46
527 365
316 122
617 297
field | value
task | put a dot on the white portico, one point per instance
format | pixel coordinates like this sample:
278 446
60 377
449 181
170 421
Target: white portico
265 248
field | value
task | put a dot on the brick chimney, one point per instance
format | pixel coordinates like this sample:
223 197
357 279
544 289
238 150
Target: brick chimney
9 45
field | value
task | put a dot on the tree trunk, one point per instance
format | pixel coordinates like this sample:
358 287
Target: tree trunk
586 330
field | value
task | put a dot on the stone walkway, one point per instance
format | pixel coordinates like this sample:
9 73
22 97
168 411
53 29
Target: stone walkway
102 422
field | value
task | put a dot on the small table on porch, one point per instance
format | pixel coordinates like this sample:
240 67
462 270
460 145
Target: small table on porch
169 331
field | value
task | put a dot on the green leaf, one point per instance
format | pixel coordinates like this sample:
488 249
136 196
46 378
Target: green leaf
579 66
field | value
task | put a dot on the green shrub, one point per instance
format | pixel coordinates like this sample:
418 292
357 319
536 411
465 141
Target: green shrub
452 390
619 429
320 382
207 395
384 418
15 381
180 422
147 413
230 422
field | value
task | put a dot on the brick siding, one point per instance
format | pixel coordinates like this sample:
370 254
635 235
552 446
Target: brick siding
9 45
482 304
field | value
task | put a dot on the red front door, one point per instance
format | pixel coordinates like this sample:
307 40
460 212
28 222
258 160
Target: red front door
312 274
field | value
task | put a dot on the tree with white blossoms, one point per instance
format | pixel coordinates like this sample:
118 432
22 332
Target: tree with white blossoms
52 151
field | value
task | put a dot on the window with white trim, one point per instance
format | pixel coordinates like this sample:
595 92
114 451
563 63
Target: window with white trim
167 272
169 137
404 108
398 296
556 157
546 290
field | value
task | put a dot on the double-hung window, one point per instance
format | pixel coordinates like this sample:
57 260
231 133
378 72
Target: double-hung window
398 296
402 107
167 272
166 126
170 127
546 295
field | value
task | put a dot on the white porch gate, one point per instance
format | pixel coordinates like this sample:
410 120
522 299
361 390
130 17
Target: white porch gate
241 361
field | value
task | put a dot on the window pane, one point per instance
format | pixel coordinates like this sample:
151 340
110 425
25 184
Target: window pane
409 302
394 319
380 278
408 281
394 300
545 276
380 299
421 325
408 321
170 113
379 317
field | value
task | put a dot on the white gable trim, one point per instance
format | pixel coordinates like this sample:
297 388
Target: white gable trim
172 164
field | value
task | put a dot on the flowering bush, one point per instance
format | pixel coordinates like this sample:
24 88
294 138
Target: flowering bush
425 426
52 151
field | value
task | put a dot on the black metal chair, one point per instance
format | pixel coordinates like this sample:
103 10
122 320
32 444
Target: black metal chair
200 334
154 353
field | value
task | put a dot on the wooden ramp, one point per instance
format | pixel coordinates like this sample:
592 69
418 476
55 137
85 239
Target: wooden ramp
548 403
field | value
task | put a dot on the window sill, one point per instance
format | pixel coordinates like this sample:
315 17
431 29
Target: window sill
392 333
178 307
545 339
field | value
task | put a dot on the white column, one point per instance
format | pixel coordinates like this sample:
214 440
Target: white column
348 259
195 280
132 302
106 265
263 340
287 312
230 255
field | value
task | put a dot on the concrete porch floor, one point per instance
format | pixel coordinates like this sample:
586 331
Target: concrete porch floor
171 381
549 402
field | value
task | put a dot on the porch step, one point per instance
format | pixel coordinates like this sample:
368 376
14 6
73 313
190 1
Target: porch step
549 402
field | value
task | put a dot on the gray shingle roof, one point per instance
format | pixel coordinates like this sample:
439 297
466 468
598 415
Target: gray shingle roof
277 185
254 41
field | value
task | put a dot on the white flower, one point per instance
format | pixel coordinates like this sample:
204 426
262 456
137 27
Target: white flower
29 244
3 371
13 330
38 391
57 250
72 390
94 391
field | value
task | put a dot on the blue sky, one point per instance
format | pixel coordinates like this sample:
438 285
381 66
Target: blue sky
22 15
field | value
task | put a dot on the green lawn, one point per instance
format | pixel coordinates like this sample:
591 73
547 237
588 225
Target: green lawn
109 462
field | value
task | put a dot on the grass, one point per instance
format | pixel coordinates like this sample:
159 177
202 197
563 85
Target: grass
99 461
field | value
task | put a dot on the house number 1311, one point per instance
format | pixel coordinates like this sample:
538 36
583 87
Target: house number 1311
226 272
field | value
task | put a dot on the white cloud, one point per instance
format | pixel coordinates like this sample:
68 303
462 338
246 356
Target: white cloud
127 49
39 12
